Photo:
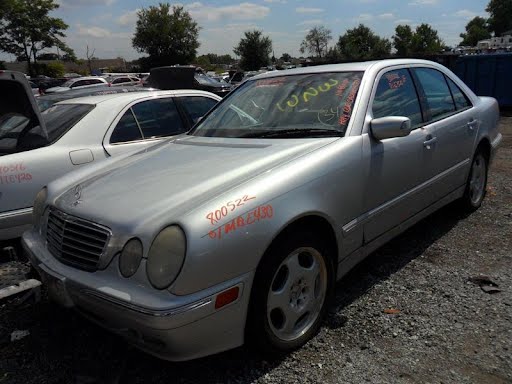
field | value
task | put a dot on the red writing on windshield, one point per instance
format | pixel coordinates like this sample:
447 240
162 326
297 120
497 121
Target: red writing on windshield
347 108
395 81
262 212
219 214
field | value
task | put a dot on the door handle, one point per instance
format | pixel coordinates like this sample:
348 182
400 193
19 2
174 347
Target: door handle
428 144
471 124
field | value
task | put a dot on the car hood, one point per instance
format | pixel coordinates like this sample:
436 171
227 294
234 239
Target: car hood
176 177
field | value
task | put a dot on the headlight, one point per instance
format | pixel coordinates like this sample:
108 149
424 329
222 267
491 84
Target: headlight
130 258
166 256
39 204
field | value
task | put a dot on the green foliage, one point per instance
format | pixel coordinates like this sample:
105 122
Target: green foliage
2 65
316 41
168 35
26 28
402 40
286 57
48 56
55 69
426 40
361 43
476 30
219 59
254 50
500 16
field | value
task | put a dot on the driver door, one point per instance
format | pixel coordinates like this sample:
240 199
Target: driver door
397 166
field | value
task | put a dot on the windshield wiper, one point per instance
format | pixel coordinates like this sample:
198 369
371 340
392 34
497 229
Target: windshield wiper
297 132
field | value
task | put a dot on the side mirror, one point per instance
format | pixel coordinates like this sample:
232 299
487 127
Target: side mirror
390 126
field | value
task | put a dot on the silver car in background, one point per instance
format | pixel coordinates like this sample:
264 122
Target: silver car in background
73 133
238 231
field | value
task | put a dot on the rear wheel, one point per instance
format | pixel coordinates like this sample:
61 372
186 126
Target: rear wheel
477 182
290 294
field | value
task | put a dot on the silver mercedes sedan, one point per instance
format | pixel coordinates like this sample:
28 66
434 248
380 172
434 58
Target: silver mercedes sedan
238 231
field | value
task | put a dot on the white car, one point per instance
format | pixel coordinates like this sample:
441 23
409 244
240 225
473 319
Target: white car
37 148
123 80
77 83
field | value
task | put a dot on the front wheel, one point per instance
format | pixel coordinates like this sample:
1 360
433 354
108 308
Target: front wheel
477 182
290 294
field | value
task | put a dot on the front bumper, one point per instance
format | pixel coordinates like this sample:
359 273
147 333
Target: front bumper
183 328
14 223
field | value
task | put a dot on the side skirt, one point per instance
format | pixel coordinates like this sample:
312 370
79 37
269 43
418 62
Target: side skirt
359 255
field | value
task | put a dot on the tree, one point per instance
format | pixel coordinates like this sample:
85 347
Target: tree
500 19
48 56
90 57
254 50
426 40
168 35
476 30
286 57
26 28
361 43
402 40
316 41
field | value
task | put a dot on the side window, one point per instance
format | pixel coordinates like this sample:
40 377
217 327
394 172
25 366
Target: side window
396 96
126 129
121 80
437 93
95 81
158 118
461 100
196 106
78 83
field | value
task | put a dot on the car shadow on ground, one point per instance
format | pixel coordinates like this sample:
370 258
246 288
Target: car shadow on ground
68 348
391 258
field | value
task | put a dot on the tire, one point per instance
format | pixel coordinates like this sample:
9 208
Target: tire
292 287
476 184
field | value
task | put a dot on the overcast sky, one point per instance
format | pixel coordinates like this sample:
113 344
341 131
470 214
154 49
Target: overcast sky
108 25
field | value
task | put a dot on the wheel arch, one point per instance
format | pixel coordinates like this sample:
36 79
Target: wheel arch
484 145
319 225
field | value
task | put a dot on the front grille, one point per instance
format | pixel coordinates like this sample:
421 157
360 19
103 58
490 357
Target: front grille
74 241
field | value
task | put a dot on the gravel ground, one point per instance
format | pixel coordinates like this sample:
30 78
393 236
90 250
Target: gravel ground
442 327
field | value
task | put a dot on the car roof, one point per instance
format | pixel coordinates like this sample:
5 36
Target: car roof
128 97
356 66
86 78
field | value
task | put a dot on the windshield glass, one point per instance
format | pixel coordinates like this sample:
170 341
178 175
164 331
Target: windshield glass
17 134
68 83
205 80
308 105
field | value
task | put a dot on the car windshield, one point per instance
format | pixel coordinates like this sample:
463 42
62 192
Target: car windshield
206 80
17 134
68 83
310 105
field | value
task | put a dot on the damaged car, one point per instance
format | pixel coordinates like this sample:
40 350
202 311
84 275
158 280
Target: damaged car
237 231
38 147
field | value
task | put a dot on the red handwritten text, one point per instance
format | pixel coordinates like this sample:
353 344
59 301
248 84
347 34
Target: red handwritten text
347 109
14 174
260 213
219 214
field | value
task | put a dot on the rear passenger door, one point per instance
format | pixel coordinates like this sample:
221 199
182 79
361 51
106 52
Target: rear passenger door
142 124
454 124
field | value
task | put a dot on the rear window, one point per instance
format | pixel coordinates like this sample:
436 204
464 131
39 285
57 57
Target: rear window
18 134
60 118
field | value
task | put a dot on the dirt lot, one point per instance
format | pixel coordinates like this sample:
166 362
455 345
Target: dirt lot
447 330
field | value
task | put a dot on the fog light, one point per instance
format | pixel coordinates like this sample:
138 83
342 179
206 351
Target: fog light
130 258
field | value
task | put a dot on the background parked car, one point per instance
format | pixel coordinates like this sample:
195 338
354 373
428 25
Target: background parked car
37 148
123 81
46 101
75 83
